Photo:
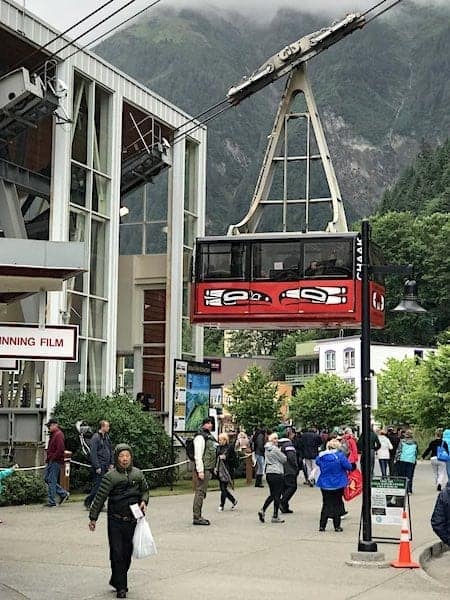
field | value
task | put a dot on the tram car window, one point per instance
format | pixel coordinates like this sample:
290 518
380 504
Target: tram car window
328 259
276 261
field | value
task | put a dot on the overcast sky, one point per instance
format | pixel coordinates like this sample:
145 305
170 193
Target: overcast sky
63 13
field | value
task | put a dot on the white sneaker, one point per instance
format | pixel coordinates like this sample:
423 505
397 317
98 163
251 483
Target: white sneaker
234 506
220 509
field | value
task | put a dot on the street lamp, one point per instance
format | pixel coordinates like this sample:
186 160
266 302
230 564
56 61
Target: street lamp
408 304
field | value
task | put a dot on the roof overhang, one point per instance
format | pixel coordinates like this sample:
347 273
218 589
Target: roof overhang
31 266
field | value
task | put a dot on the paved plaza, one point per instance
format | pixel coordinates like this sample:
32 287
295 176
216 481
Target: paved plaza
50 553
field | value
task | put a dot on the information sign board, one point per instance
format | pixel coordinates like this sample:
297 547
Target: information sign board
388 500
30 342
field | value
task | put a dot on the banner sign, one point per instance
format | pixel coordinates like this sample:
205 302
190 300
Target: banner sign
192 384
30 342
388 500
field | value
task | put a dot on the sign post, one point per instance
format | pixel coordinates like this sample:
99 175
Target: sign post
388 501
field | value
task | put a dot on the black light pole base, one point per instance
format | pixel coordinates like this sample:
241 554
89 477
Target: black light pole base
367 546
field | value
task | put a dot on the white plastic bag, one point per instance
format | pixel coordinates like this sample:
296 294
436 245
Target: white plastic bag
143 542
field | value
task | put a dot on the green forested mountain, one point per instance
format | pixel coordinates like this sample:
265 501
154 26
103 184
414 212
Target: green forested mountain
424 187
382 93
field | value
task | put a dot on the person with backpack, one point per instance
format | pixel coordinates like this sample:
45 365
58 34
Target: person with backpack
438 466
291 468
440 518
227 461
101 457
205 460
406 458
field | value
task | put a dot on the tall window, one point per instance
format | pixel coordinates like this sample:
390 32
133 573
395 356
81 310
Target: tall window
90 203
189 234
144 229
349 358
330 360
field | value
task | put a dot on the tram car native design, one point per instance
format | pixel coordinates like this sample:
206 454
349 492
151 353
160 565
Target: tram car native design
282 281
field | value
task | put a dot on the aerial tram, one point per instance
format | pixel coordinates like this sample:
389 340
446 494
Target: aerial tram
276 277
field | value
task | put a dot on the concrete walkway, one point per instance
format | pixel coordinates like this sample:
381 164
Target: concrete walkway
49 553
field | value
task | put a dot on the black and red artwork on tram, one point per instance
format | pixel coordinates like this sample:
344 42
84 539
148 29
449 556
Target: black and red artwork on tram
285 281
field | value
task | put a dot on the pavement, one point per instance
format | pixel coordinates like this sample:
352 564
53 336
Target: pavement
50 553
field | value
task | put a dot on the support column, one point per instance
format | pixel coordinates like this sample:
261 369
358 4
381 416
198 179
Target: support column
110 359
174 271
59 230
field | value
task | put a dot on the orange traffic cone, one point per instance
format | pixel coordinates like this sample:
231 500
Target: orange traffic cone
404 552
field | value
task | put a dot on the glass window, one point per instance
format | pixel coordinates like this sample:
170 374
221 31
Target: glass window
156 198
190 224
80 119
78 186
156 238
329 258
75 310
101 130
190 181
96 317
98 262
277 261
73 371
222 261
187 339
77 233
330 360
349 358
100 197
95 367
130 239
134 201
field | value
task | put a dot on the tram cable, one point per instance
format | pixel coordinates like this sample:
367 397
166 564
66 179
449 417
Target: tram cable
60 35
121 24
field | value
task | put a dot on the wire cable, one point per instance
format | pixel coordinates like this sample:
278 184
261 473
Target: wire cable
383 11
60 35
72 42
112 29
184 134
373 7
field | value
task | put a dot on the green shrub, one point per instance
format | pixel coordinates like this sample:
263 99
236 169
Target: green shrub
129 424
22 488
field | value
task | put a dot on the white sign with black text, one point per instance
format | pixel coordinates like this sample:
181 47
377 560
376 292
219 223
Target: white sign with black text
30 342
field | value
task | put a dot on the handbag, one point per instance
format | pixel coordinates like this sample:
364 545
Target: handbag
442 453
354 485
143 542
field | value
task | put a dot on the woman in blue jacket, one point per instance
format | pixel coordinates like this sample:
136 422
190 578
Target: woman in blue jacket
333 478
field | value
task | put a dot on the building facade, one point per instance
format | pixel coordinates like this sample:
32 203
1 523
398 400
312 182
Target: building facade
342 356
90 156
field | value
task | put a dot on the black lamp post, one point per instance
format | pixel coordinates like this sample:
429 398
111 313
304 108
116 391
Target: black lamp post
409 304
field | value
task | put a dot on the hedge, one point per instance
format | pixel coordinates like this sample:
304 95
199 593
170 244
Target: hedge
129 424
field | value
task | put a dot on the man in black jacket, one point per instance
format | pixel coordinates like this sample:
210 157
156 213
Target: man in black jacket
310 442
101 456
286 445
123 486
374 446
440 519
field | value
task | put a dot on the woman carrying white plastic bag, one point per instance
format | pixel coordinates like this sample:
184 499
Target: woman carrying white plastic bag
143 542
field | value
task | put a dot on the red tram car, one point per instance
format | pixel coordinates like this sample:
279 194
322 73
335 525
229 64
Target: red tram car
289 280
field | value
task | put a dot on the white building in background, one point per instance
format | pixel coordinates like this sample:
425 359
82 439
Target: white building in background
77 146
342 356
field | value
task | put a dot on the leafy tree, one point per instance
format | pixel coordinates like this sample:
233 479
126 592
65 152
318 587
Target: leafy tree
254 400
213 342
326 401
397 387
433 393
250 342
129 424
286 349
422 241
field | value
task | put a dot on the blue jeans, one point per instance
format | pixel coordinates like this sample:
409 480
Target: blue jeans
97 477
384 463
52 480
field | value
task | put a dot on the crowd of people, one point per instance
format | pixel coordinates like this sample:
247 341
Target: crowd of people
324 458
